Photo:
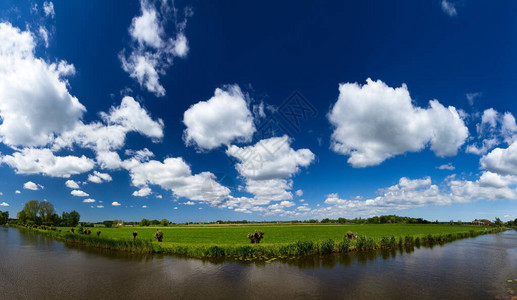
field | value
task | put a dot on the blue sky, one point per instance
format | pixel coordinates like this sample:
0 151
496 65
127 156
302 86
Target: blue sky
196 111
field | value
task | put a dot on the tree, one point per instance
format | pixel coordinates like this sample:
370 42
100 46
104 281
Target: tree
46 211
31 210
164 222
145 222
4 217
70 219
498 222
108 224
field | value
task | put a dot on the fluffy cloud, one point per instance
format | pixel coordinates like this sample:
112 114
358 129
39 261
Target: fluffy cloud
409 193
17 192
43 161
220 120
448 166
267 168
111 135
89 200
4 204
36 104
48 8
98 177
299 193
501 160
374 122
175 175
71 184
449 8
143 192
153 50
495 128
115 203
29 185
79 193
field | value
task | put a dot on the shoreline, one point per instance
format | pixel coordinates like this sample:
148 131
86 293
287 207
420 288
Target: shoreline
260 251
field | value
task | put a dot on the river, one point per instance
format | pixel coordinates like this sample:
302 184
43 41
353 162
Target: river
33 266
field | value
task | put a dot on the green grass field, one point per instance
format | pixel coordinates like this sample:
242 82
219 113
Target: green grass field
277 234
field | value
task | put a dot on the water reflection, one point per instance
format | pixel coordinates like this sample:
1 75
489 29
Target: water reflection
34 266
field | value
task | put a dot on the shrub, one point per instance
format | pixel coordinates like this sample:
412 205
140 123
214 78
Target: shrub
385 242
256 236
408 239
351 235
158 235
326 246
344 246
365 243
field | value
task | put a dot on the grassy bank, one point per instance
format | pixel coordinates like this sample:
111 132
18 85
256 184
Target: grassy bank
279 240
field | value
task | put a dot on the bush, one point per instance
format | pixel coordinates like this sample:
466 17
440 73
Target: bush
365 243
256 236
326 246
158 235
344 246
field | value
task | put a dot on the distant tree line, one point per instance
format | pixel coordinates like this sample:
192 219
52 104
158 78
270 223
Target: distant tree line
44 213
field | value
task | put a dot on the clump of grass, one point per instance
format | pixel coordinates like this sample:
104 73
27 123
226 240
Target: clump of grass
408 239
365 243
326 246
344 246
98 233
135 233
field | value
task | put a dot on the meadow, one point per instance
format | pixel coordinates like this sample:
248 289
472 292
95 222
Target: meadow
276 234
279 240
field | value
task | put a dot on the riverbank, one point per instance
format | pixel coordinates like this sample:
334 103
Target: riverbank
369 237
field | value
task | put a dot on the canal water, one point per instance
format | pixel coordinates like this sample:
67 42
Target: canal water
33 266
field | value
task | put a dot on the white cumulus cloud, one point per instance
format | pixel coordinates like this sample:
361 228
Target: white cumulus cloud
43 161
4 204
98 177
36 104
143 192
89 200
79 193
115 203
374 122
175 175
71 184
220 120
29 185
48 8
153 49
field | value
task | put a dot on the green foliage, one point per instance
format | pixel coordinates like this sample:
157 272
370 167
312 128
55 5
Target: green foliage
297 248
158 235
326 246
70 219
365 243
4 217
344 246
107 224
145 222
164 222
498 222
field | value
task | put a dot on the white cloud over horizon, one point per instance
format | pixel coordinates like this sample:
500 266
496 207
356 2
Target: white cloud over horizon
374 122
